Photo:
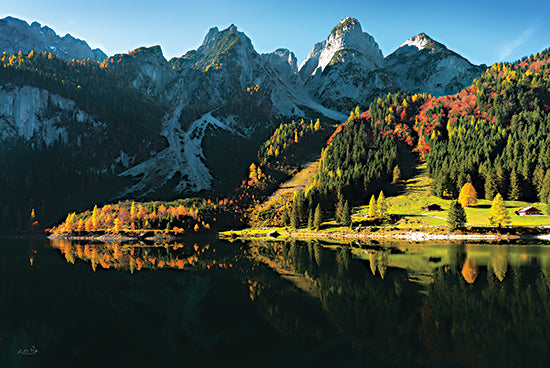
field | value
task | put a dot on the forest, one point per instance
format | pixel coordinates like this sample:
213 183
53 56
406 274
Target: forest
29 175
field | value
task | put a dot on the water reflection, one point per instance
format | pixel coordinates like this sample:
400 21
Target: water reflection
138 256
469 309
314 304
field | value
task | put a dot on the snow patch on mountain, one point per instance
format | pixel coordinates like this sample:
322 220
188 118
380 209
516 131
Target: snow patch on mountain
417 41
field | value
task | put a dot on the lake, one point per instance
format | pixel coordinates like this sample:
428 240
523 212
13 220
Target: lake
212 303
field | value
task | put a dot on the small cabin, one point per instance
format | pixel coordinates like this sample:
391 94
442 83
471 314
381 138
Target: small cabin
432 207
528 211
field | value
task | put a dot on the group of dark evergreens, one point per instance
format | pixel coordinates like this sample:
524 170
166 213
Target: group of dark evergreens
501 143
494 134
69 173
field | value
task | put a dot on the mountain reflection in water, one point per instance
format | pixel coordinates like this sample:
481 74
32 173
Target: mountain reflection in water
215 303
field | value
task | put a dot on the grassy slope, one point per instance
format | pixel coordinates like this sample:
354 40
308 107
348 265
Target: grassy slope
416 194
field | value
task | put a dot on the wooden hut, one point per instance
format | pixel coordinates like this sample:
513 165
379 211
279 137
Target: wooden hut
528 211
432 207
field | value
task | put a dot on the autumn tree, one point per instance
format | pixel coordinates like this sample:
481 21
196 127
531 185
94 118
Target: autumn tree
468 195
498 212
372 207
381 205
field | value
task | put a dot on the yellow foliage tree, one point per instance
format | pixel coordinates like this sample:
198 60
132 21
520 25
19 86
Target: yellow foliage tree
468 195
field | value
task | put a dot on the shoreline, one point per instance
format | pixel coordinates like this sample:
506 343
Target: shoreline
280 234
417 236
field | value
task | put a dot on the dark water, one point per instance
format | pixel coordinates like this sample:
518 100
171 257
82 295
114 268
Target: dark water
211 303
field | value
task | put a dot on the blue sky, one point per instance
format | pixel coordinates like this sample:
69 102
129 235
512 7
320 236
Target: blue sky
482 31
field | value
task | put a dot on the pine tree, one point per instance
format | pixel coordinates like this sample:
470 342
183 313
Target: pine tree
502 180
318 217
491 185
545 188
381 205
294 219
396 174
285 217
346 214
310 219
339 207
498 213
468 195
457 216
372 207
515 186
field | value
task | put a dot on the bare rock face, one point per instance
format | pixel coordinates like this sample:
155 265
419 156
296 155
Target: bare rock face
284 61
17 35
424 65
41 118
345 69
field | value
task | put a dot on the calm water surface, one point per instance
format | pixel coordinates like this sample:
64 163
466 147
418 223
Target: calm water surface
212 303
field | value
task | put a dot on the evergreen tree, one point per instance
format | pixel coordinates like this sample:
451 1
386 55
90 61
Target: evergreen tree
502 180
372 207
491 185
346 214
381 205
285 218
294 217
310 219
468 195
318 217
301 209
396 174
339 207
498 213
457 216
545 188
515 186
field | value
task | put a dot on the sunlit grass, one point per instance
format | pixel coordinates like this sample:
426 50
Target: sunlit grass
409 207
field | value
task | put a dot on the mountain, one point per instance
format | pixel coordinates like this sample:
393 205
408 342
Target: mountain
145 126
222 89
17 35
284 61
424 65
345 69
348 68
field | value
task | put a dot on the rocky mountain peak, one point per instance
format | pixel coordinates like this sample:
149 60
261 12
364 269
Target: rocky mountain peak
212 33
422 41
219 42
282 60
17 35
346 42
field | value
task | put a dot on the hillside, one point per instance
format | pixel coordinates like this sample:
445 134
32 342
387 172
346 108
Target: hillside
494 134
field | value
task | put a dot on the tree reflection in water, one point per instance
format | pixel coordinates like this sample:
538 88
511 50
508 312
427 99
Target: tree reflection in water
473 312
377 305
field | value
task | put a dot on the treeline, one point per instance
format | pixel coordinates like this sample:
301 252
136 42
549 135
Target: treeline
283 144
494 134
177 217
360 158
78 171
95 88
